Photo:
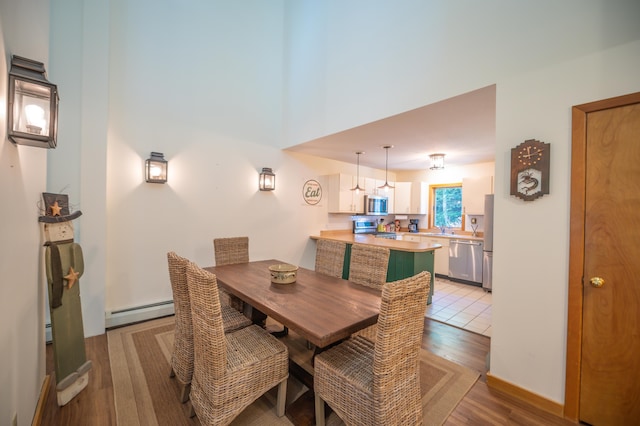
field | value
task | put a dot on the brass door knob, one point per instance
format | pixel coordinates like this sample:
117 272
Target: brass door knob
597 282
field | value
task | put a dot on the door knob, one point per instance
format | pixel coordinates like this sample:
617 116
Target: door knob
597 282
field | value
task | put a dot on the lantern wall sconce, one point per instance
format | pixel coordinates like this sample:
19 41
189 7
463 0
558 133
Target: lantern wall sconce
156 168
437 161
32 113
267 181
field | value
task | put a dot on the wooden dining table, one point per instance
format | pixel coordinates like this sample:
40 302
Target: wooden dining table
322 309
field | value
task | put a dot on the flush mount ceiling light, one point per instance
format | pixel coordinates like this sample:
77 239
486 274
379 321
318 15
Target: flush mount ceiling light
357 187
437 161
267 181
156 168
32 113
386 185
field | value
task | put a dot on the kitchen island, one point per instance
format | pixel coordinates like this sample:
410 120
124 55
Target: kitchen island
406 259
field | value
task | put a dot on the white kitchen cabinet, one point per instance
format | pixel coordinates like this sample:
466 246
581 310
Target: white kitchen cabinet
411 197
340 197
441 262
473 192
409 237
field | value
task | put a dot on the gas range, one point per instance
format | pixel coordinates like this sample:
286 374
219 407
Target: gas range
367 226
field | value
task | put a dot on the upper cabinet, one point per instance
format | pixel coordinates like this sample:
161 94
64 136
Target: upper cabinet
473 191
411 198
340 197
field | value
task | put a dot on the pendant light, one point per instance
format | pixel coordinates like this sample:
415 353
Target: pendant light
386 185
357 187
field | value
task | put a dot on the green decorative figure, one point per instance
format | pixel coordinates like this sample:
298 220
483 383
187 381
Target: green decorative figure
64 267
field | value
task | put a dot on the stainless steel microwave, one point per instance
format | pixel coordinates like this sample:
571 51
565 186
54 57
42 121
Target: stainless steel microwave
376 205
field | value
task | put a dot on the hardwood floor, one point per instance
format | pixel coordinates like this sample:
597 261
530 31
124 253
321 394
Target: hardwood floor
481 406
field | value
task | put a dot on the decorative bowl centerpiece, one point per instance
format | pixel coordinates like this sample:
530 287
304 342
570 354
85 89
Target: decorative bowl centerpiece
283 273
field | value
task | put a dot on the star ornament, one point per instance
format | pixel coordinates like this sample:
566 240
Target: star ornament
55 209
72 277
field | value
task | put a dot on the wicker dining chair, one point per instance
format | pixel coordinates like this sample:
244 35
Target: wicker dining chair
228 251
182 356
368 267
330 257
369 383
231 370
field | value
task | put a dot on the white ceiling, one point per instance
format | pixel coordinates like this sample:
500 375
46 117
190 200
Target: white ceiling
462 127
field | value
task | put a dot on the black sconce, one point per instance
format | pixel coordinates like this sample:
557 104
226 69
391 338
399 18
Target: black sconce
156 168
32 113
267 180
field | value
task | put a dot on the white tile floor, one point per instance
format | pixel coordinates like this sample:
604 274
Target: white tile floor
461 305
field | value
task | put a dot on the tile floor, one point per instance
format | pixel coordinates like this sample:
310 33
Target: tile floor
461 305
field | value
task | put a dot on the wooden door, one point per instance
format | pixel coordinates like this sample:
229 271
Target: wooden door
603 354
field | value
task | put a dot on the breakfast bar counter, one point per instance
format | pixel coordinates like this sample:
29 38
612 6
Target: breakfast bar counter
406 259
371 240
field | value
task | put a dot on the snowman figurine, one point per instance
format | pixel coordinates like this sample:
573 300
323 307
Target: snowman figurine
64 267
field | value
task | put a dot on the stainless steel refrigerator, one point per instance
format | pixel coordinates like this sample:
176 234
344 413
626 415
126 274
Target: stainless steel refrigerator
487 254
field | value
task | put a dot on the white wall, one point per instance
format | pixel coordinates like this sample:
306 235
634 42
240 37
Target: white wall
24 29
544 56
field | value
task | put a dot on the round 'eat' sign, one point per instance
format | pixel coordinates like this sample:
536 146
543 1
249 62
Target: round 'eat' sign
312 192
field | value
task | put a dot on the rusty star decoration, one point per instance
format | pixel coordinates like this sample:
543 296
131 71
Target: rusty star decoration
72 277
55 209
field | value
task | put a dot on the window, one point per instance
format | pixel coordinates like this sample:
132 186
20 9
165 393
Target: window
446 206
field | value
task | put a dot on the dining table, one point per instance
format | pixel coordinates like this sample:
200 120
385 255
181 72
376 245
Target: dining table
320 308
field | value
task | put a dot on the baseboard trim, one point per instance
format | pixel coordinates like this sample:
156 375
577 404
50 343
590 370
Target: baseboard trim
44 393
140 313
529 397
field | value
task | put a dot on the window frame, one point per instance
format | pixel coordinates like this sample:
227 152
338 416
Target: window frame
432 207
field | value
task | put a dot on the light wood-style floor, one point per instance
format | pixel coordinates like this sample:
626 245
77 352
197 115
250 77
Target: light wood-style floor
481 406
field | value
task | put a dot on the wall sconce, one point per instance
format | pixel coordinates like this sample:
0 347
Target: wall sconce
437 161
267 180
32 105
156 168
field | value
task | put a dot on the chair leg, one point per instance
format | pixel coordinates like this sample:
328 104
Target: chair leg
184 393
282 398
319 411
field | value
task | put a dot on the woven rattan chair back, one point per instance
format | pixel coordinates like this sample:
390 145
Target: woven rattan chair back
182 357
396 381
210 352
330 257
231 370
368 265
228 251
369 383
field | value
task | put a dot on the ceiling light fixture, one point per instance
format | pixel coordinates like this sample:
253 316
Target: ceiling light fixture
437 161
386 185
357 187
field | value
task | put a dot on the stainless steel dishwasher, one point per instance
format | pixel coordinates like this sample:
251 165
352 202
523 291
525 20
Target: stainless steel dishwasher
465 260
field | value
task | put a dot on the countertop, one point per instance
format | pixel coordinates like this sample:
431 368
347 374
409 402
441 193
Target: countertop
398 245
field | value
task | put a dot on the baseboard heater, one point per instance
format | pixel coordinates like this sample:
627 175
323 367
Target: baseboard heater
141 313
